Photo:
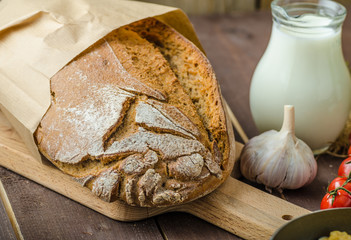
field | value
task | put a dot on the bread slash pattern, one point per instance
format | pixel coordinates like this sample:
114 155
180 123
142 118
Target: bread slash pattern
126 129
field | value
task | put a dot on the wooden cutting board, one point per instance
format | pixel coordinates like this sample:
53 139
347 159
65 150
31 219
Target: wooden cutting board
234 206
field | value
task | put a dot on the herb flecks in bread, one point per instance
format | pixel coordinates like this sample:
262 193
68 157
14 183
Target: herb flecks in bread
127 122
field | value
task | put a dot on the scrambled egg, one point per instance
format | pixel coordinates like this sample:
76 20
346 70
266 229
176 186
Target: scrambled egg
337 235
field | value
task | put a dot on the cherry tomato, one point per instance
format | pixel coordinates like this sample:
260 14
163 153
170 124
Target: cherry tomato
342 199
339 193
337 182
345 168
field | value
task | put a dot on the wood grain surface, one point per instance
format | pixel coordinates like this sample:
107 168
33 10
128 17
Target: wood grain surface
6 229
201 7
234 44
44 214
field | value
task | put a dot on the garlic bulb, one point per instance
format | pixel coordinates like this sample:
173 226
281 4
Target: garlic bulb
279 160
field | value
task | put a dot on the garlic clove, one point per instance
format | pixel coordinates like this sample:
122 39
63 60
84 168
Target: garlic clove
279 159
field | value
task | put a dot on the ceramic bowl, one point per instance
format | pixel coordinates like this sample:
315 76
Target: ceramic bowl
315 225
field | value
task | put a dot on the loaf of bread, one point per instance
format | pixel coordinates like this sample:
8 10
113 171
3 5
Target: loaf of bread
138 117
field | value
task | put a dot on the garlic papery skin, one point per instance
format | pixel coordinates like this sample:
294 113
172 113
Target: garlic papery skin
279 160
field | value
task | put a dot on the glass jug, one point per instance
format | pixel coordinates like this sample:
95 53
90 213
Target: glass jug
304 66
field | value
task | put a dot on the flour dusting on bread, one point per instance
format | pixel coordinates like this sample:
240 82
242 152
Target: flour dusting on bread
132 123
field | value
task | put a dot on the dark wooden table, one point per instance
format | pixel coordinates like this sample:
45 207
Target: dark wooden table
234 44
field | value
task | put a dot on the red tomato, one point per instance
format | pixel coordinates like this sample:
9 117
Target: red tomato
339 193
345 168
342 199
337 182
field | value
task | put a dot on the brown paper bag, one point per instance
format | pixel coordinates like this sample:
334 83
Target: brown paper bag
39 37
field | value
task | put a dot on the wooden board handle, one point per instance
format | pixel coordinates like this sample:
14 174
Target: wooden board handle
244 210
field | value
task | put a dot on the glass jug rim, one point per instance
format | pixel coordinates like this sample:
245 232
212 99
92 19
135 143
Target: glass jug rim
291 12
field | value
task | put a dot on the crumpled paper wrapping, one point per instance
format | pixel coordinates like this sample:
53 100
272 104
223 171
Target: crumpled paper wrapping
39 37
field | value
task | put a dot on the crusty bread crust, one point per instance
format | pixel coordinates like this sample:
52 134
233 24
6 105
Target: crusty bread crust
194 72
138 117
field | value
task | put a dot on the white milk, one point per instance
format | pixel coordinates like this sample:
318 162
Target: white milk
306 70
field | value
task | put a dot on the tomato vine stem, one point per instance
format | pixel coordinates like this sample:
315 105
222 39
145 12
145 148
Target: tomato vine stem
334 192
